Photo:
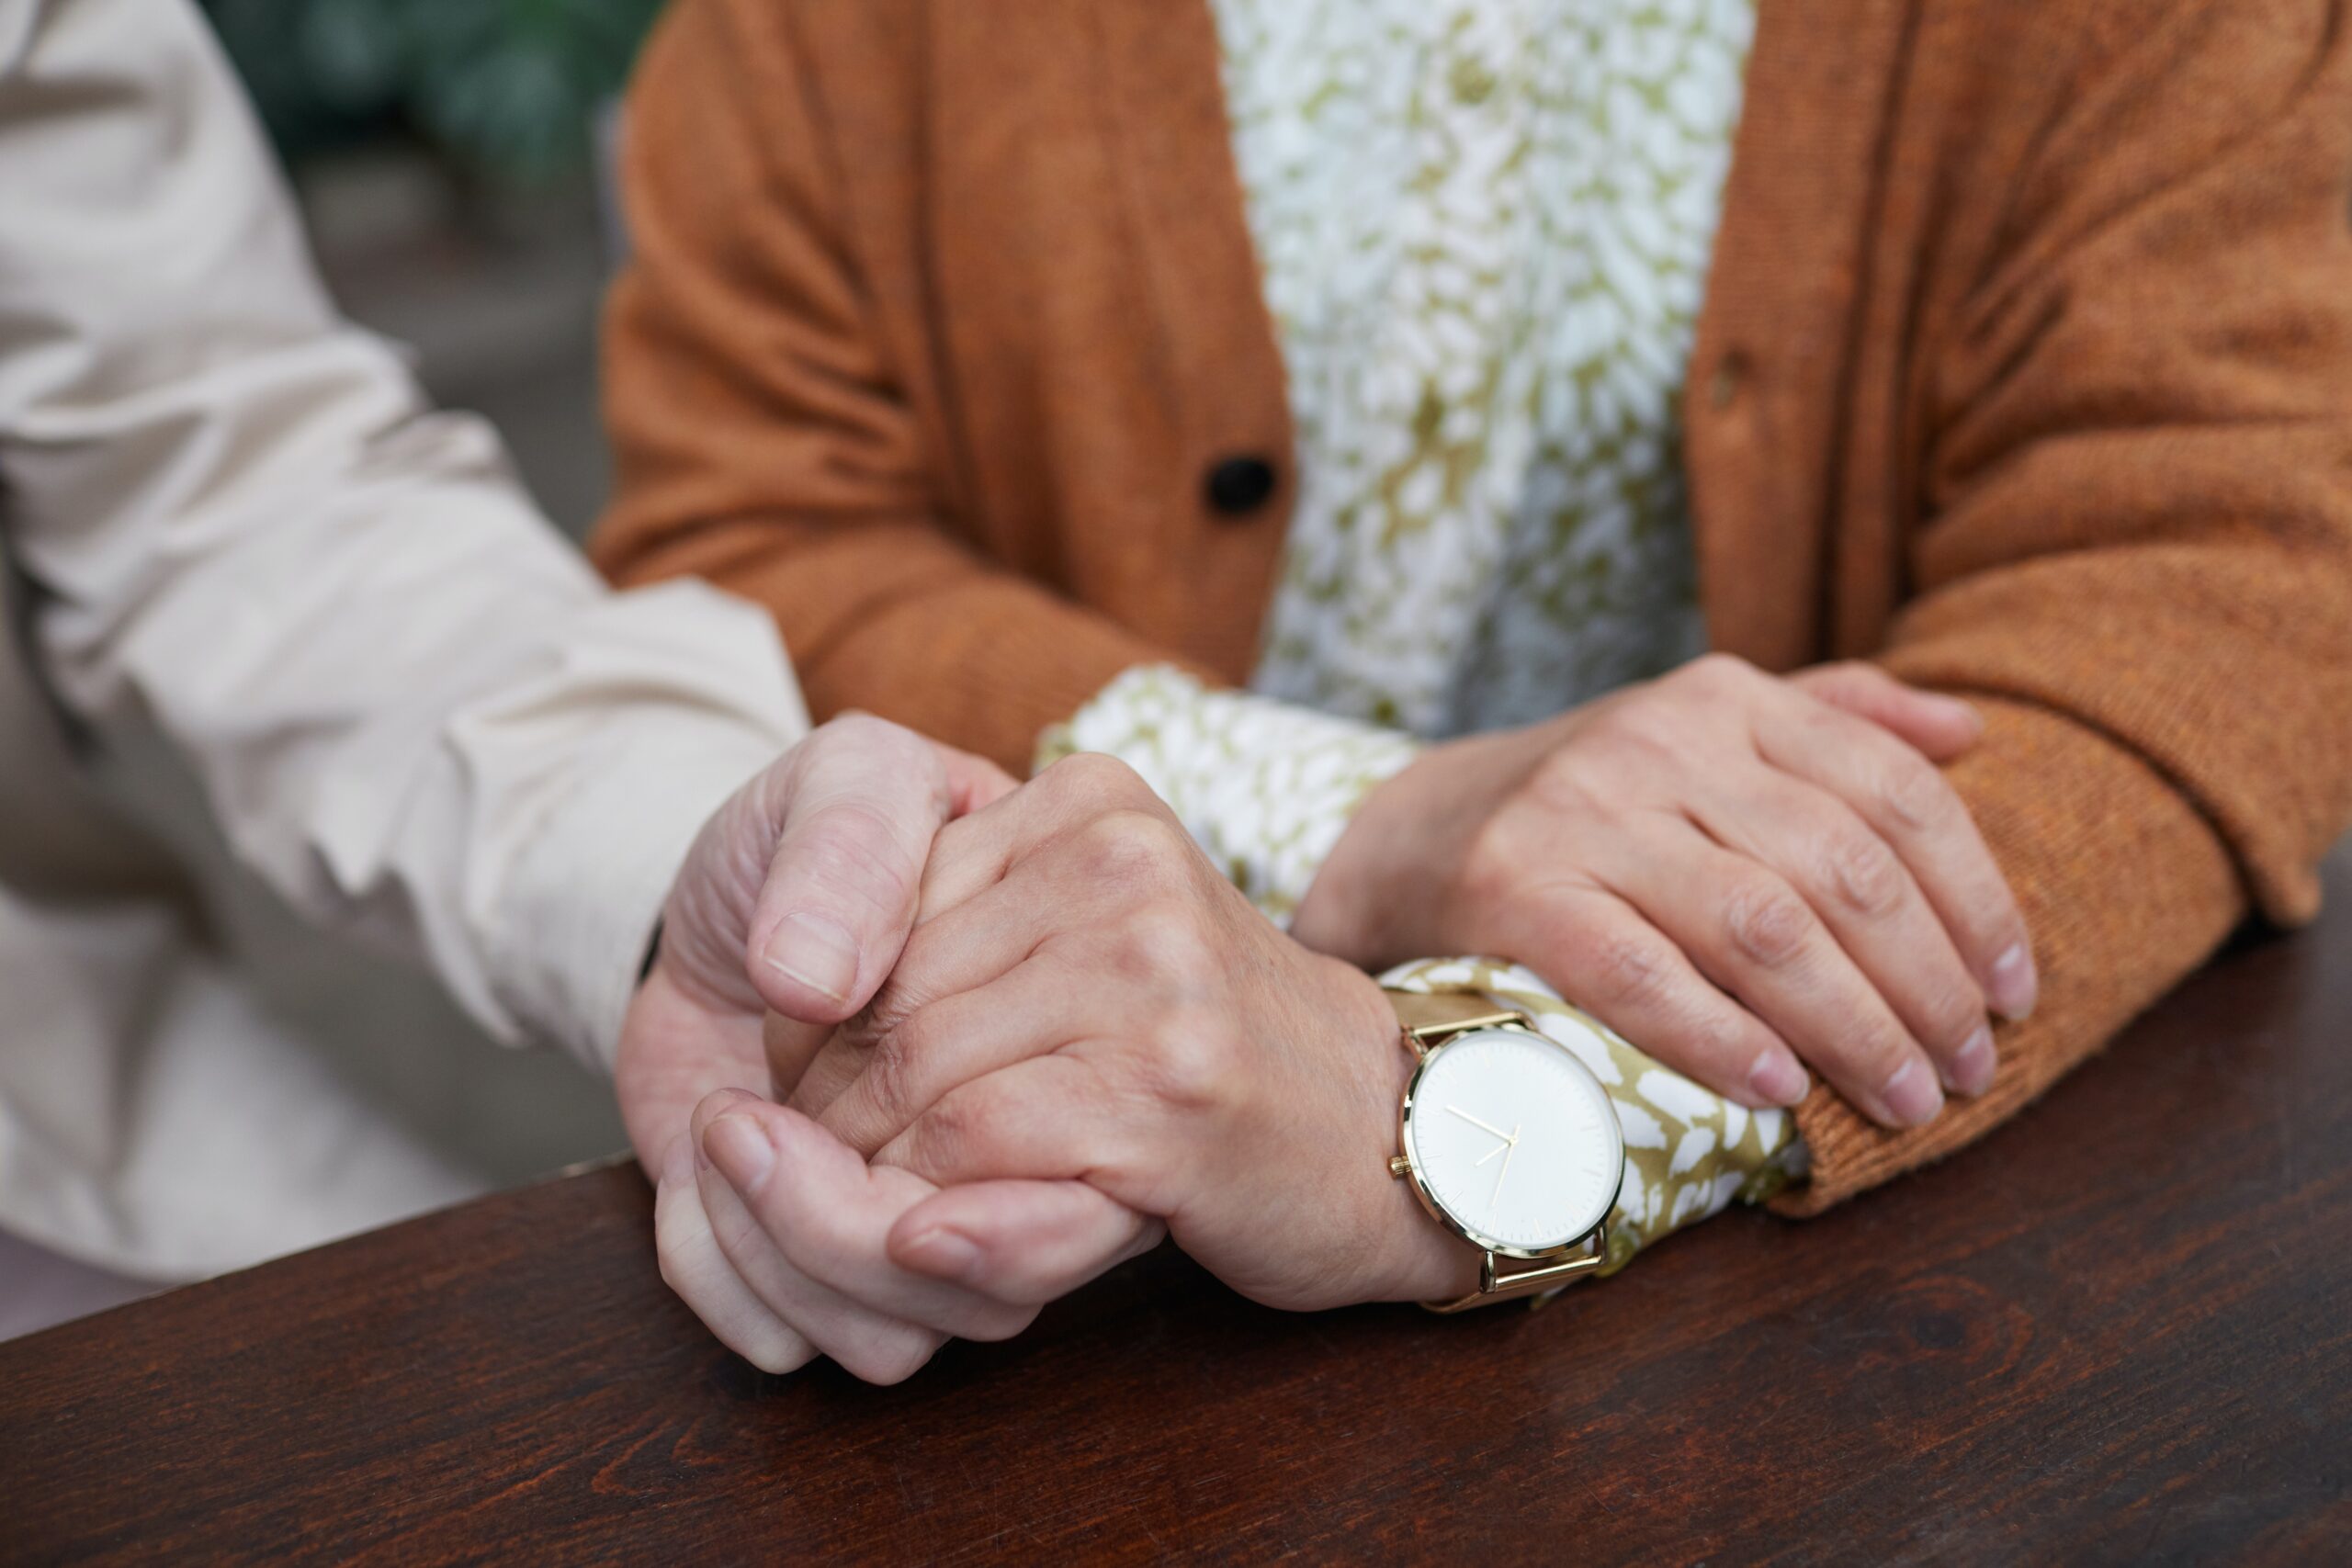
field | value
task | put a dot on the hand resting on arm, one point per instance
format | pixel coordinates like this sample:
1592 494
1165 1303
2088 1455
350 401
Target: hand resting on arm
1739 872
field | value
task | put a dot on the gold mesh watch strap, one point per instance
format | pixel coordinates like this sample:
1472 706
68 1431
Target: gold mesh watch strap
1425 1016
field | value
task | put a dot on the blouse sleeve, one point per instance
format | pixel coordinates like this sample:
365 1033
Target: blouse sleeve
1265 787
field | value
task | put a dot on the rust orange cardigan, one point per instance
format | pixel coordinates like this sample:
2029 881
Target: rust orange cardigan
2025 368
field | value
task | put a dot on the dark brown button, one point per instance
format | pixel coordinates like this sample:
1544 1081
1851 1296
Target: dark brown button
1237 486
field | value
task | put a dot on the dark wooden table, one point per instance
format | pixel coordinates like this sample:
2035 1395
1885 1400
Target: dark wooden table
2119 1331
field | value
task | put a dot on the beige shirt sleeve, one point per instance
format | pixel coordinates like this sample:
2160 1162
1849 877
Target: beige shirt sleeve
413 707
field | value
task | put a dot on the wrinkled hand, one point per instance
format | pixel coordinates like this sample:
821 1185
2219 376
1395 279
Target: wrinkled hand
793 903
1086 997
1739 872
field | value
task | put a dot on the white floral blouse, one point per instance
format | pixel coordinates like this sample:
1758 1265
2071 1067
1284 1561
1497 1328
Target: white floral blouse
1484 227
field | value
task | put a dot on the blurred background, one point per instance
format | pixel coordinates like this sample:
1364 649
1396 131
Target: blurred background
448 155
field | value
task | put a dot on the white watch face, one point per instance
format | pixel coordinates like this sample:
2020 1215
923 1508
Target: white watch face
1515 1139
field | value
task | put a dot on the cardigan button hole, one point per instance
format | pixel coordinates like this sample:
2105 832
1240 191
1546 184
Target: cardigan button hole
1729 380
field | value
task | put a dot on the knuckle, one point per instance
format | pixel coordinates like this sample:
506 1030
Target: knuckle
1715 673
1491 865
1164 838
1732 1042
1863 874
888 1355
1653 732
777 1354
1845 675
1191 1063
1564 783
1162 941
1000 1322
1914 794
890 1075
894 1006
1766 923
855 728
1953 1019
1874 1056
1951 1013
1648 717
952 1134
1096 778
1699 1039
1108 852
1136 849
737 1233
1625 970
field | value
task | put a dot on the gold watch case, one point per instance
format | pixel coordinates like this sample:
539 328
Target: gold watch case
1429 1022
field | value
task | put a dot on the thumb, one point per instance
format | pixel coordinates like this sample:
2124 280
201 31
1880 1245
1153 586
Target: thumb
1938 726
853 811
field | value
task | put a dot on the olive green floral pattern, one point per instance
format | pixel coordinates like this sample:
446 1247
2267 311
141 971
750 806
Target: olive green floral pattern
1265 787
1688 1152
1485 228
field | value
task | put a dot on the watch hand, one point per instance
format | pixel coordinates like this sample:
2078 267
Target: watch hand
1509 1149
1483 1126
1498 1149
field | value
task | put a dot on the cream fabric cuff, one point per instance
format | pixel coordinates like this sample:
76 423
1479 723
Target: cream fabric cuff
1265 787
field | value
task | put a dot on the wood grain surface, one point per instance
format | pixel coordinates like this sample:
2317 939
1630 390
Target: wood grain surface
2117 1331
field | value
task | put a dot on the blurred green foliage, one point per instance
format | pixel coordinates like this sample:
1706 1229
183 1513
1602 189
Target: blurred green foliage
506 87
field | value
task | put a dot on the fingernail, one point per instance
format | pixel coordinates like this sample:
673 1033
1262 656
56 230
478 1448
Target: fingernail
1776 1079
1973 1063
2016 987
1966 713
1911 1095
741 1151
943 1254
816 951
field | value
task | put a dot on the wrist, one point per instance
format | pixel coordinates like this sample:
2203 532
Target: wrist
1392 885
1348 904
1417 1258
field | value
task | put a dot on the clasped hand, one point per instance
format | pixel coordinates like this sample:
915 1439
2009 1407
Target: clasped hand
1090 1036
1084 1004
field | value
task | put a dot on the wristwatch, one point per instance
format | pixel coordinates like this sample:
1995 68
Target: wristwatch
1509 1142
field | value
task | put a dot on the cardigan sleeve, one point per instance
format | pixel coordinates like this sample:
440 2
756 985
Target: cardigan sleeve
2136 489
761 436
